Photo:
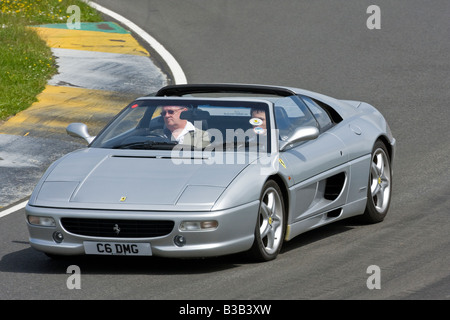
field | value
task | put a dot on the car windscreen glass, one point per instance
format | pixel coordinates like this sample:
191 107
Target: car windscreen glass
197 124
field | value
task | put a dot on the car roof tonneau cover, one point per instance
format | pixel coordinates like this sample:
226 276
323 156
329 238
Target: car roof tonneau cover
184 89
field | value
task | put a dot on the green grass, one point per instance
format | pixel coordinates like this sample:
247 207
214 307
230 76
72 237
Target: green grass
26 63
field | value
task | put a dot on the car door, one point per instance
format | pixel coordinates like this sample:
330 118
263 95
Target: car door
319 168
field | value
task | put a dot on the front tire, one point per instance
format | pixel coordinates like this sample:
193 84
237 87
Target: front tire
271 223
380 185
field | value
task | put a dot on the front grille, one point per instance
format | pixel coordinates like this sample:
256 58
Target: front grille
114 228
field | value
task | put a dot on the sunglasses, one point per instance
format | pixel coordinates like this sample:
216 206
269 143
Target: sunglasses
170 112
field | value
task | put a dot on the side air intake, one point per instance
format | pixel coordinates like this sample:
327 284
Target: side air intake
334 186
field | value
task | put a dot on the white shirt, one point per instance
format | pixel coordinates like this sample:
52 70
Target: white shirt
187 128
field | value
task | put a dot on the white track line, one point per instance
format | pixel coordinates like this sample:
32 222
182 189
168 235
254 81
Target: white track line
175 68
15 208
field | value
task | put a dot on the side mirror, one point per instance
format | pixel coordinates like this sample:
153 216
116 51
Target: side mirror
301 134
79 130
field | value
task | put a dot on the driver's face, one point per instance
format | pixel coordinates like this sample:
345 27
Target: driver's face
171 115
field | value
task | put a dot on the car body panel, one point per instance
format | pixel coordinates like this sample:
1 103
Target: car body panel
140 181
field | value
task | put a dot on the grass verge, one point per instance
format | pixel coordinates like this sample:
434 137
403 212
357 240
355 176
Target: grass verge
26 63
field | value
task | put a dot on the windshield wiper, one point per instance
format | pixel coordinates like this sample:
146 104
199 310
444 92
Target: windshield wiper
146 145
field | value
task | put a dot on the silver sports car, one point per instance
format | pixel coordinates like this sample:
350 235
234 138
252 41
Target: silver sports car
209 170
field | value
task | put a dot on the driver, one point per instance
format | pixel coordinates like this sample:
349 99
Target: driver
182 130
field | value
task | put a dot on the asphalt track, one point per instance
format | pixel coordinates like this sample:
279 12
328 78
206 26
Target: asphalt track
403 69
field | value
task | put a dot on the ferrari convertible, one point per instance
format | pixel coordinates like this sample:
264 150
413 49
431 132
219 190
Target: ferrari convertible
207 170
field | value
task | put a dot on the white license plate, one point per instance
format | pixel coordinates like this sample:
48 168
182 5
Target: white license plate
118 248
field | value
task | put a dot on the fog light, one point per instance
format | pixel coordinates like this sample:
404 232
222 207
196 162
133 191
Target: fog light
179 241
198 225
58 237
42 221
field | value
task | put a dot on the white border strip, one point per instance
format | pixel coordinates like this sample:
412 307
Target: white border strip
175 68
15 208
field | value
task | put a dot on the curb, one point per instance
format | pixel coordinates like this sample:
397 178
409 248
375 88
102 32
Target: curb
175 69
101 69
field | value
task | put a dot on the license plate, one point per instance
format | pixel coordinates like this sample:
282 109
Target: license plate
118 248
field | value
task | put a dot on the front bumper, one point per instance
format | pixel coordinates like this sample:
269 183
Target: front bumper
234 232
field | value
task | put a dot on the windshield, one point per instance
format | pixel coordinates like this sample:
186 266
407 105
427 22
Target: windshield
204 124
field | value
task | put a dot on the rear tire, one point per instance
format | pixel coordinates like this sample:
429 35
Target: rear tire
271 223
380 185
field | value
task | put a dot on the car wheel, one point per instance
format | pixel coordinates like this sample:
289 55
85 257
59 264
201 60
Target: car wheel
380 185
271 224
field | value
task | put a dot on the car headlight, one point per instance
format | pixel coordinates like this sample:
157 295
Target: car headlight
198 225
41 221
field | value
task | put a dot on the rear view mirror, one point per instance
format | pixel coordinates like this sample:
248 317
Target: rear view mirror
79 130
301 134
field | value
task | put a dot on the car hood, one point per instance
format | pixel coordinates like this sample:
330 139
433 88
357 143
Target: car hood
133 180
